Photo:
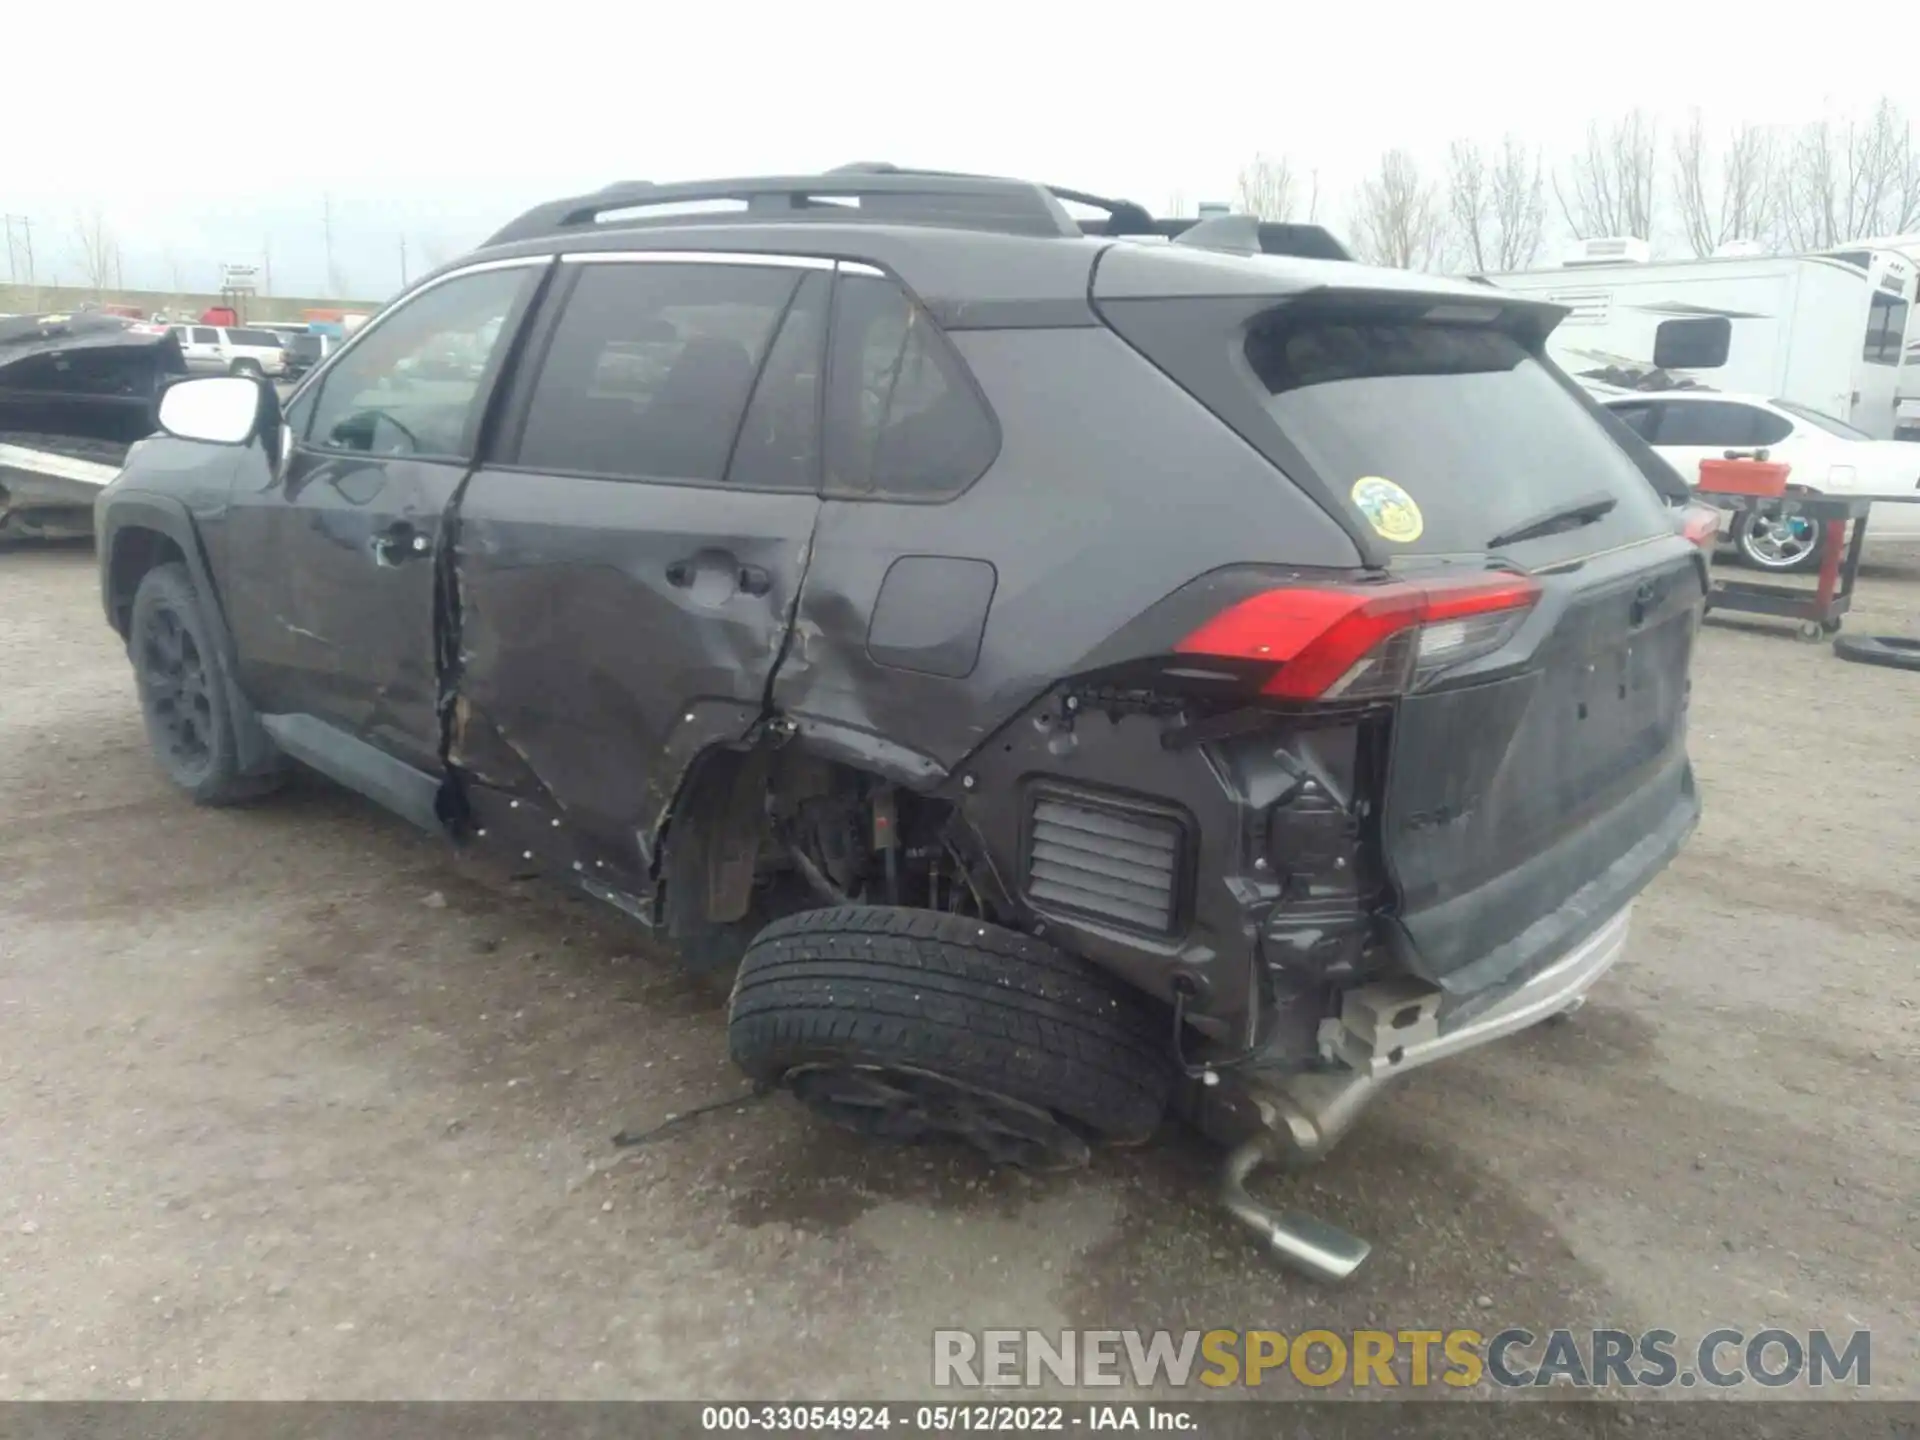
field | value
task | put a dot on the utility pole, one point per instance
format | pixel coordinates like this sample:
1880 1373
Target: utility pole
22 250
266 265
326 223
403 262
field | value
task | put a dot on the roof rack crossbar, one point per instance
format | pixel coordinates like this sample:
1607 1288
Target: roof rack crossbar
1014 206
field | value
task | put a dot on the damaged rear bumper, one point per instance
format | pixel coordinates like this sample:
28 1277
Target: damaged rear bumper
46 494
1380 1031
1397 1025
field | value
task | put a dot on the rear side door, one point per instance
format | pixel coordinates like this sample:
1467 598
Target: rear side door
333 554
628 561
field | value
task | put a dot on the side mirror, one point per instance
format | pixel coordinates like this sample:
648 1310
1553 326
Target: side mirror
219 410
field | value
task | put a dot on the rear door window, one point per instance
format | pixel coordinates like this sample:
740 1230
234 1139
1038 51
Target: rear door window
904 421
254 337
651 369
1722 424
1439 435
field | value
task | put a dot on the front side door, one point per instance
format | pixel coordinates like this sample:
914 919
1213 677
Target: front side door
200 346
627 564
334 554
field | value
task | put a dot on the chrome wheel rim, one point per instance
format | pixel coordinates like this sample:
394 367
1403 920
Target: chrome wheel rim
1778 543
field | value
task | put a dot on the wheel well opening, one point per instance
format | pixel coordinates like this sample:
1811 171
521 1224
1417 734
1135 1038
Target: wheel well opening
135 552
765 834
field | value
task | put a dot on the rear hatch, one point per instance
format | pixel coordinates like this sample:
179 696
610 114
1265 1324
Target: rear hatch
1536 772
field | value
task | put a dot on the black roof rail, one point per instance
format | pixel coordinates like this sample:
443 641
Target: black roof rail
974 202
878 191
1128 217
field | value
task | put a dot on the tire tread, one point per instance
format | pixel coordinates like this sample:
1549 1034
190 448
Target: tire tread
984 1005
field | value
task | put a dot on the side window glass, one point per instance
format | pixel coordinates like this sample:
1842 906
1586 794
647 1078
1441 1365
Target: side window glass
1637 418
299 412
1768 428
650 369
1886 329
1706 422
779 444
903 420
204 335
1698 342
413 383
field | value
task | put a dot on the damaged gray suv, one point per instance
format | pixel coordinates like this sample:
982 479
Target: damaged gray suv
1076 671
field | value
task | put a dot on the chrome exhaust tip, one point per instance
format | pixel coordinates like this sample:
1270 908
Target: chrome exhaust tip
1300 1242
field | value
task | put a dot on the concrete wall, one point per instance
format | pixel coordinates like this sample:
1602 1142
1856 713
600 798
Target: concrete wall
29 299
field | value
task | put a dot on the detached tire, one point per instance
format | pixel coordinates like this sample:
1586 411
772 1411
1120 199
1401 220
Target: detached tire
1896 652
909 1025
184 690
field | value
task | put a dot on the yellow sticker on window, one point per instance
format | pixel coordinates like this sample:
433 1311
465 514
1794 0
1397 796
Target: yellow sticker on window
1389 509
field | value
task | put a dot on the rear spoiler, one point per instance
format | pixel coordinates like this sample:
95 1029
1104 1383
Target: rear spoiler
1241 234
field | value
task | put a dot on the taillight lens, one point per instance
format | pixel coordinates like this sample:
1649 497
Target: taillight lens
1699 523
1352 642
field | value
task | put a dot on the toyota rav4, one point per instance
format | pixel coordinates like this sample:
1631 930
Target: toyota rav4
1073 670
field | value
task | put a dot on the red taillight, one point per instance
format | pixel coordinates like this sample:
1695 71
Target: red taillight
1700 524
1335 642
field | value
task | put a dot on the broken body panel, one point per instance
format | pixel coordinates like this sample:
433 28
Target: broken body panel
76 391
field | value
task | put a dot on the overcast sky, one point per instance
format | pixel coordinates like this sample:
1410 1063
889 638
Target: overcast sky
433 124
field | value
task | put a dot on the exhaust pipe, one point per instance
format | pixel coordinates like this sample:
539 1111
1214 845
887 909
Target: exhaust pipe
1316 1249
1304 1117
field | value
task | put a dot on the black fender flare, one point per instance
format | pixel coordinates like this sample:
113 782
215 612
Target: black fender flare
166 516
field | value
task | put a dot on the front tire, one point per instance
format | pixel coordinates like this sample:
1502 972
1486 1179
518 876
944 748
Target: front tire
909 1025
185 694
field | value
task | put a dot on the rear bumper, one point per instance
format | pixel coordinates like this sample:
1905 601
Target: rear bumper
48 495
1395 1026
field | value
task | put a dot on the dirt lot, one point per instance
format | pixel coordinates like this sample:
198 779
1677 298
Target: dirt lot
295 1104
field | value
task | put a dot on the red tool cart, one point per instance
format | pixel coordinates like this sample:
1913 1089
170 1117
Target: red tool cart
1747 482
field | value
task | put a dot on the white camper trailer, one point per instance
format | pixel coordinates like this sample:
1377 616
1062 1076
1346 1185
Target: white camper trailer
1906 425
1812 329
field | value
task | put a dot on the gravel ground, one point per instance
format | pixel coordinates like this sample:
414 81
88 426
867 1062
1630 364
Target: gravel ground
295 1103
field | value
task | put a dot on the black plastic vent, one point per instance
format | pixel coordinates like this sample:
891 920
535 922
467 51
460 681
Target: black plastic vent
1104 859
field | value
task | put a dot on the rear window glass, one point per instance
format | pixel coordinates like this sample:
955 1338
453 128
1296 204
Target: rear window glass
1442 436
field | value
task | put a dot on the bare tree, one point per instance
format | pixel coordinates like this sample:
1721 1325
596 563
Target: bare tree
97 251
1266 188
1609 186
1496 208
1397 216
1850 181
1731 195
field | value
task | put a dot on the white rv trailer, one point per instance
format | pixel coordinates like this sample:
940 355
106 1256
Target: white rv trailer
1813 329
1906 425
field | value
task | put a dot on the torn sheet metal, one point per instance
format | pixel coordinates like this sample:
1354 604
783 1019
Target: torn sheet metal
76 391
609 633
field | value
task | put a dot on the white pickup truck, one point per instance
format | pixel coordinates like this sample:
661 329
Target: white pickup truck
231 350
